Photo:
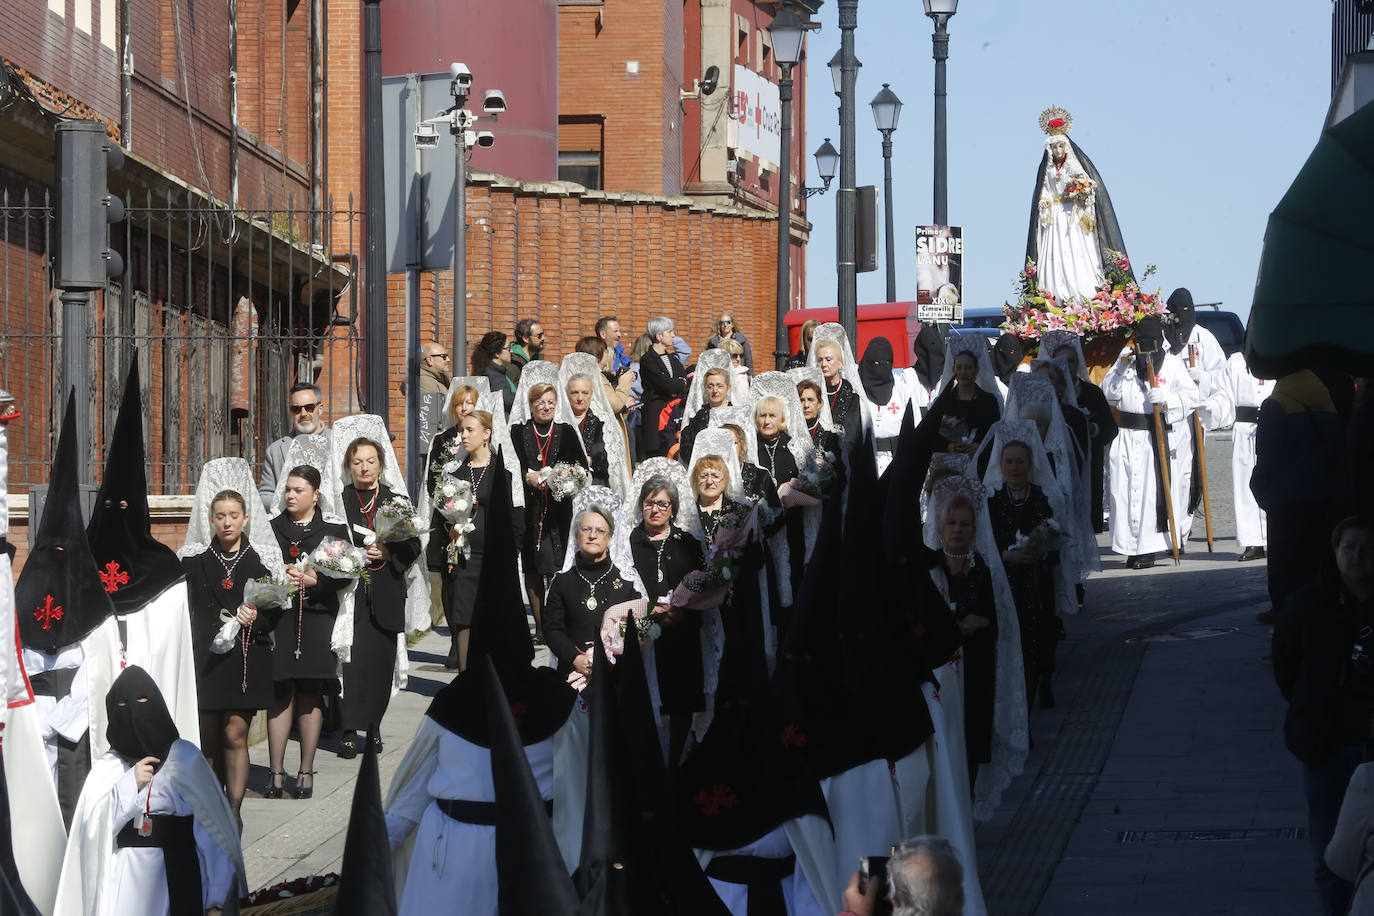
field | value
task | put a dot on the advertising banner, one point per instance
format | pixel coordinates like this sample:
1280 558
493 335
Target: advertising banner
940 273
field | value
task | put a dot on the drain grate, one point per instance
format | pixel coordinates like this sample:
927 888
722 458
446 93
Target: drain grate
1182 635
1211 835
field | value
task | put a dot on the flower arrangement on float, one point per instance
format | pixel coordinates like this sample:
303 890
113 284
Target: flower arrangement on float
1118 304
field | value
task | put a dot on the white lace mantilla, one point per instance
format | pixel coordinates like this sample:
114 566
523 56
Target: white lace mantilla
584 364
713 358
234 475
976 345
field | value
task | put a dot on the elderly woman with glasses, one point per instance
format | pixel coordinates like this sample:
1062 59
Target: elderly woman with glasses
664 553
580 595
727 329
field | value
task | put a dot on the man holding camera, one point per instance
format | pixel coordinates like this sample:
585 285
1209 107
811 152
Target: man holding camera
1323 654
923 877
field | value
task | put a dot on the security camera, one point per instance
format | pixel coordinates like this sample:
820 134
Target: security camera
426 137
709 80
495 102
461 75
485 139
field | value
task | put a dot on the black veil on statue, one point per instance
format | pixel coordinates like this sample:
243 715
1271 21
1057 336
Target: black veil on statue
59 597
1108 229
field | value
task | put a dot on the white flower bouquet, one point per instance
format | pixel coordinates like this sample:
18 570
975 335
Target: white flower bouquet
338 559
564 479
453 499
397 520
268 592
1047 536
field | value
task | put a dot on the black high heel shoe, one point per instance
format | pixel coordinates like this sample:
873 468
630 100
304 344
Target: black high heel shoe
303 792
349 746
273 790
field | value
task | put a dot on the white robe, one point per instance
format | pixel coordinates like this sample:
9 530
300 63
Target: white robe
65 717
865 810
887 418
1246 391
1214 409
448 859
797 893
1131 460
98 879
159 642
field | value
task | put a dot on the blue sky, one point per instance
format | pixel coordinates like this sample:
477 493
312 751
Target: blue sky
1197 113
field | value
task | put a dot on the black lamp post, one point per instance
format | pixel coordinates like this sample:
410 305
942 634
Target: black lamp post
887 108
788 31
847 196
940 12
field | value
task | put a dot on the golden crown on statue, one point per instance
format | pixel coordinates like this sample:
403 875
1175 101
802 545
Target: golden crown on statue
1056 121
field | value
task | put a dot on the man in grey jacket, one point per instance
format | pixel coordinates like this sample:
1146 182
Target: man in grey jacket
306 403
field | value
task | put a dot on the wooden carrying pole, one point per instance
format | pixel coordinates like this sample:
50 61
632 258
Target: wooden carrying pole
1164 468
1202 461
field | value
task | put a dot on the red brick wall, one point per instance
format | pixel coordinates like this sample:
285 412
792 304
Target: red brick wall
568 260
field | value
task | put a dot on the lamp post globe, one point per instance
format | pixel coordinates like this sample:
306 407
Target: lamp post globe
940 12
788 31
827 161
887 108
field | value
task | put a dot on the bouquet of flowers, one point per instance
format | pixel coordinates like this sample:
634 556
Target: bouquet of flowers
1047 536
453 500
1078 188
397 520
706 588
296 887
815 480
1118 303
564 479
338 559
268 592
955 430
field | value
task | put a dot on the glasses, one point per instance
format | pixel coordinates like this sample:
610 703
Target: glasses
308 408
704 476
439 356
661 504
589 531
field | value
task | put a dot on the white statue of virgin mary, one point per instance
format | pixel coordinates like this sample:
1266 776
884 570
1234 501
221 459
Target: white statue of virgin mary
1073 228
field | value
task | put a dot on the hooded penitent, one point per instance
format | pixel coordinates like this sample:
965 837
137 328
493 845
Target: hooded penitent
134 567
1149 347
1006 356
59 597
875 370
366 885
1185 319
14 900
929 350
541 698
140 725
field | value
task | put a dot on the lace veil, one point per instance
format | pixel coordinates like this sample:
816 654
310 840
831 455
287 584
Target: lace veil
624 561
849 367
813 374
312 450
480 382
1057 340
713 358
1070 396
495 405
575 364
1010 730
976 345
235 475
719 442
742 417
780 385
536 371
686 518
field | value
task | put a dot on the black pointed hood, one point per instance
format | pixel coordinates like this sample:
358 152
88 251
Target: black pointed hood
539 698
875 370
14 900
1006 356
603 878
140 725
903 481
134 566
366 884
1181 307
532 879
929 350
751 772
59 598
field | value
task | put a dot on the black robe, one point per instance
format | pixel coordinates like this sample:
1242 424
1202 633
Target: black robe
223 681
677 652
1091 399
379 616
1032 584
570 627
846 411
978 414
547 520
700 422
308 625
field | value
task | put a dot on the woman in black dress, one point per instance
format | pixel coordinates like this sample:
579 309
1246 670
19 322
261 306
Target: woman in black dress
379 614
446 444
230 686
664 553
304 667
845 408
1019 507
589 428
664 381
755 484
966 403
542 443
716 393
459 578
825 441
770 422
967 623
580 596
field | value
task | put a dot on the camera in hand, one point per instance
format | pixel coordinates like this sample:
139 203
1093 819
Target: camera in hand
873 870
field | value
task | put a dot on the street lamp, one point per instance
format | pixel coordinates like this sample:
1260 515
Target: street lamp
846 198
837 70
940 12
827 161
887 108
788 32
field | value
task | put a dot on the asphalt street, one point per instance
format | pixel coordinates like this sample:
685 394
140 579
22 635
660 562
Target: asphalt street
1158 785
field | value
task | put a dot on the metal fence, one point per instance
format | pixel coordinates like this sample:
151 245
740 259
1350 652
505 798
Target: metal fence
223 309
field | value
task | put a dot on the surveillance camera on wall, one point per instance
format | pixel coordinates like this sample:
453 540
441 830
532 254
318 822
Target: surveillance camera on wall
485 139
709 80
495 102
426 137
461 75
